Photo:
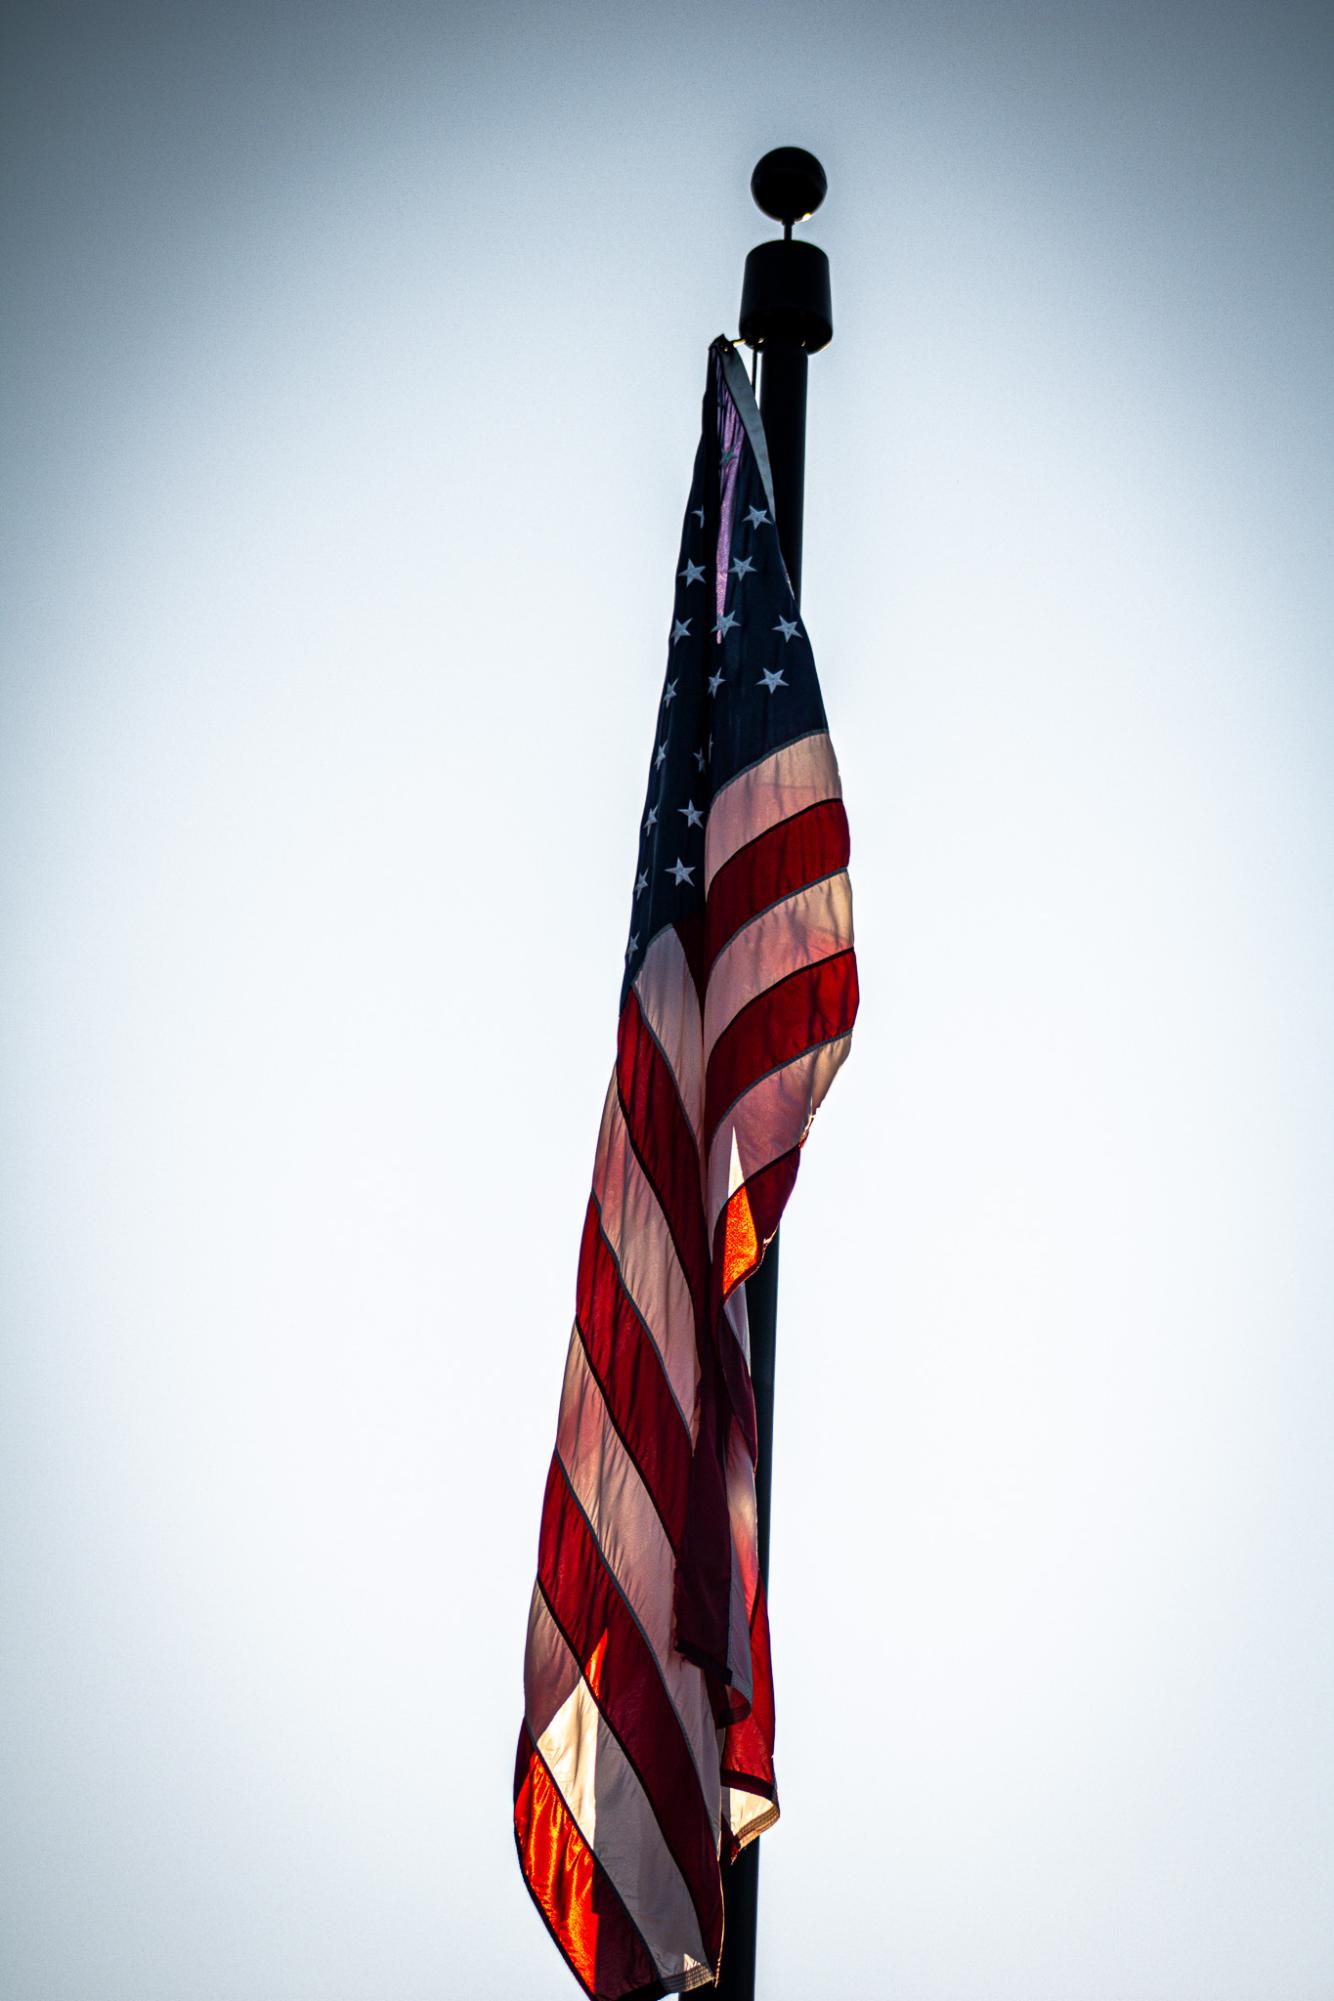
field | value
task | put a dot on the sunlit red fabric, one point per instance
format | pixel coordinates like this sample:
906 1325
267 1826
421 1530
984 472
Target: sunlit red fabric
586 1917
646 1756
741 1243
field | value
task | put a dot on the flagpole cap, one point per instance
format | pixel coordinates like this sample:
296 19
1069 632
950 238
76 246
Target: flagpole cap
789 184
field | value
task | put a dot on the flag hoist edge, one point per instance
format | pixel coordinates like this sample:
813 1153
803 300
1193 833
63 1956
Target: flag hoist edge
646 1753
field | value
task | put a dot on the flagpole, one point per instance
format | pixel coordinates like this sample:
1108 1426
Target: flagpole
785 316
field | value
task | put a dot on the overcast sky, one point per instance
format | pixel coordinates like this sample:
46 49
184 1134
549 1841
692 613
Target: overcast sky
351 376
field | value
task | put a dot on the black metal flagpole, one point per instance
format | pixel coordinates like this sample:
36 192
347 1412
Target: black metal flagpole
785 316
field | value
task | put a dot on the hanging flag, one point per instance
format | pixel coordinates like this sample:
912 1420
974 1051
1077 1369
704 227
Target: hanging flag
646 1753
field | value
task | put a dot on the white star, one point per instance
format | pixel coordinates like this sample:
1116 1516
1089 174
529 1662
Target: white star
698 513
670 696
787 626
757 516
771 679
633 946
694 818
641 883
661 757
699 759
742 567
652 820
681 872
715 683
681 630
726 622
693 572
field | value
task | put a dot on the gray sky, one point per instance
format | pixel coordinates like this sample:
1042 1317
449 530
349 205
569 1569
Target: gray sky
352 362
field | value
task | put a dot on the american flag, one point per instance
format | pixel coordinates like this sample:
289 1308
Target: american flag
646 1754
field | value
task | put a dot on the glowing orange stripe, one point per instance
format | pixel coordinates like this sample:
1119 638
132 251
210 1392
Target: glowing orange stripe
571 1890
741 1243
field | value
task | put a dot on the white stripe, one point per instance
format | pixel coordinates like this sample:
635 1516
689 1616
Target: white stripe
748 1814
614 1815
634 1546
666 991
799 775
770 1118
741 1510
549 1673
636 1229
737 1315
745 1559
811 925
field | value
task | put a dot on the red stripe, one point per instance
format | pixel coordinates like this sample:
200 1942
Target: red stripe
587 1605
747 1224
797 852
744 1229
691 931
664 1142
748 1746
573 1891
813 1005
629 1372
702 1602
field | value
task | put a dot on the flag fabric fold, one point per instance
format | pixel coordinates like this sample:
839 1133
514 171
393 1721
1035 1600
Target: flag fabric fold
645 1759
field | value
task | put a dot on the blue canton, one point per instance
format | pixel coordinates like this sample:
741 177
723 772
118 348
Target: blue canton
740 680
